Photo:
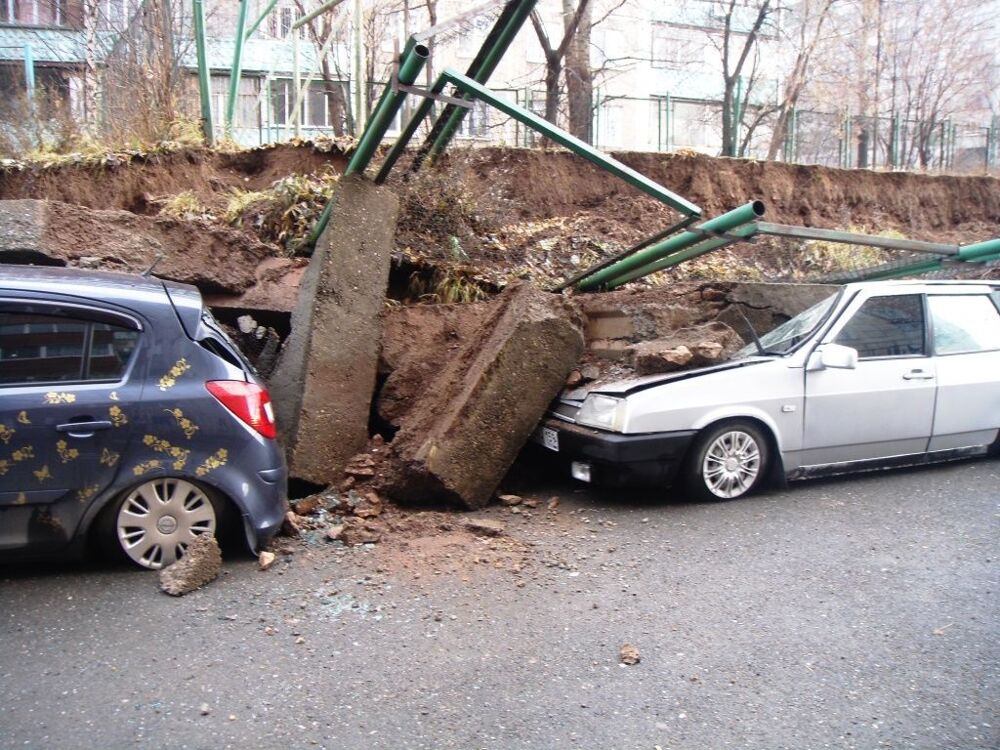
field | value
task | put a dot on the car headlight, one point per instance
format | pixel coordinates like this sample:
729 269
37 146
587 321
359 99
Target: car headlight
602 412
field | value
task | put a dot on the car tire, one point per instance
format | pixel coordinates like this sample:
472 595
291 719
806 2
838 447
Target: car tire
151 524
728 461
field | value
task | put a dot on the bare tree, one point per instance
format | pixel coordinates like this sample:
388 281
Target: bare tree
805 32
324 33
555 54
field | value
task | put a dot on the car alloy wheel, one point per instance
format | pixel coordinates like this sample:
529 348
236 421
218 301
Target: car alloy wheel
158 519
728 460
732 464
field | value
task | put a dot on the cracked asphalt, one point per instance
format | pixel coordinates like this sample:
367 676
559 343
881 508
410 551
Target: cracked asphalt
852 613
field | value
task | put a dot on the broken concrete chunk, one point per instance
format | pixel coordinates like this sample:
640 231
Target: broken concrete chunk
460 440
509 499
201 564
359 531
307 505
485 527
697 346
322 387
629 654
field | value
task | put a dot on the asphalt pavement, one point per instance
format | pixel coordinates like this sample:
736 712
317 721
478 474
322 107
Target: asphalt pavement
851 613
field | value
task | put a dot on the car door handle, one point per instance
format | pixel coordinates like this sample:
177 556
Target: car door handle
83 428
918 375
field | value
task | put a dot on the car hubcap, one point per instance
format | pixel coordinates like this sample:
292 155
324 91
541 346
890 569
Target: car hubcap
732 463
159 519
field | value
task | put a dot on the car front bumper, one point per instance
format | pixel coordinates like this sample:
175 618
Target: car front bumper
615 459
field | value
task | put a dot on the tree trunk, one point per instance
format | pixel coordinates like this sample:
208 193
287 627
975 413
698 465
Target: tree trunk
90 80
553 69
579 76
728 96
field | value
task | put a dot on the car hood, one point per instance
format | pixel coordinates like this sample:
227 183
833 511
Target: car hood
634 385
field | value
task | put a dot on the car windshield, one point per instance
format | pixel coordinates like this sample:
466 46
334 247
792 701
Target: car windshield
785 337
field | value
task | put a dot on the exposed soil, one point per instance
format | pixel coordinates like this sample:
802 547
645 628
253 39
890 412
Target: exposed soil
137 184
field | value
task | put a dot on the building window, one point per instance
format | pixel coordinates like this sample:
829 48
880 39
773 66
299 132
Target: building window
476 122
315 107
33 12
281 20
672 48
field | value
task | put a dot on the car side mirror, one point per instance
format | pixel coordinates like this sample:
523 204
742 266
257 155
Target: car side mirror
838 357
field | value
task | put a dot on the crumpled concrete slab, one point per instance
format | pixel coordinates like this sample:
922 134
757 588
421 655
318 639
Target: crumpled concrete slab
322 387
201 564
458 442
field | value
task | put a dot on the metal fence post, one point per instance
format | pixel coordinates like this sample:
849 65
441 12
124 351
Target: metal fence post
204 78
236 71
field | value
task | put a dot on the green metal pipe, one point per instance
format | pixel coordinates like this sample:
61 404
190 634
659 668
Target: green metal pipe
236 72
29 71
979 250
491 58
743 232
635 179
204 81
320 10
260 19
658 237
422 110
725 223
413 60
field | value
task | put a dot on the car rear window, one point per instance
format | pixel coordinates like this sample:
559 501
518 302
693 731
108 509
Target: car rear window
964 324
37 348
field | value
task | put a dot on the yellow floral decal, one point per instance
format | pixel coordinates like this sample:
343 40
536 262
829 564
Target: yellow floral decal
117 416
180 455
170 379
66 454
187 426
214 461
4 467
6 433
87 493
21 499
22 417
147 466
23 454
59 398
113 395
42 474
109 457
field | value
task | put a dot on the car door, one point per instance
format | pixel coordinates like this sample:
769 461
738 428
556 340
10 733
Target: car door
885 405
965 332
65 386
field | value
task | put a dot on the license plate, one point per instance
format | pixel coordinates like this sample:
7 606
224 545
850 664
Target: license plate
550 439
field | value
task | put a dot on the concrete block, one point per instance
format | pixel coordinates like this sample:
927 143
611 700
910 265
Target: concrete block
459 441
322 387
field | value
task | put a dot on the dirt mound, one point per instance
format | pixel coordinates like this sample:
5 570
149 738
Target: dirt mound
213 258
556 183
135 184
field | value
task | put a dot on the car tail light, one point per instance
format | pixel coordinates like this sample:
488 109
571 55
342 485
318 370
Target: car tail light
248 401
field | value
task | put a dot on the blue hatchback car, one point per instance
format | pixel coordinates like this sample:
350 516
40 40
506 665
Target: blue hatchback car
127 417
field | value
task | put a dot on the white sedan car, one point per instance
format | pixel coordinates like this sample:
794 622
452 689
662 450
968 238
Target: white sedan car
879 374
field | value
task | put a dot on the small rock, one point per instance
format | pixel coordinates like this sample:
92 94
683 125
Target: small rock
300 640
377 441
200 565
347 484
485 527
553 503
266 559
530 503
590 372
629 654
306 506
509 499
574 379
334 532
357 531
205 710
369 507
290 526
